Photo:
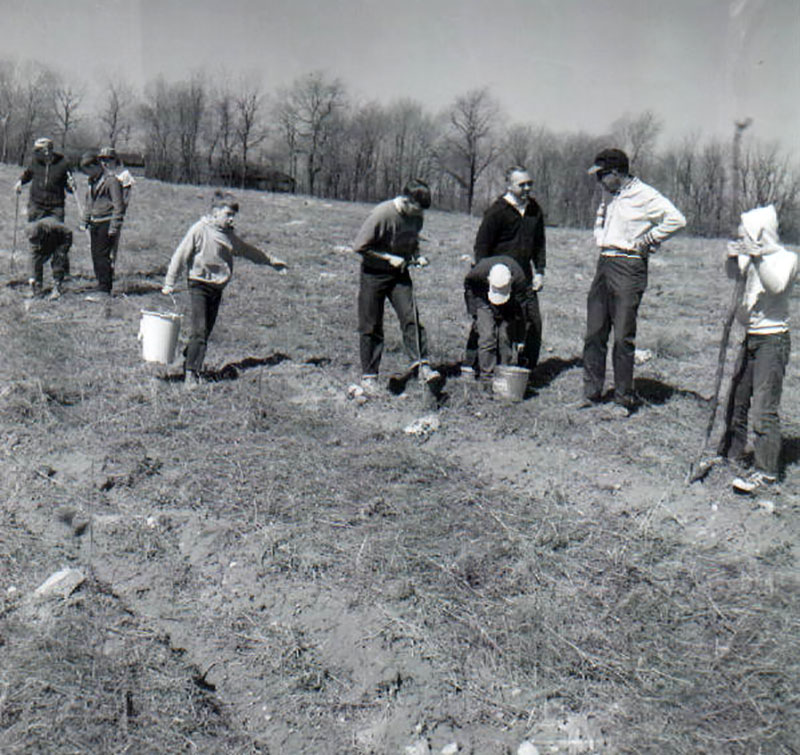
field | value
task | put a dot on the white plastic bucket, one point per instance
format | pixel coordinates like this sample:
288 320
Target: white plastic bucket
158 332
510 382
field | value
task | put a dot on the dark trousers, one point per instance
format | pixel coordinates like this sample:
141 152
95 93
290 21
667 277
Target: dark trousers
204 300
373 291
103 246
614 297
494 326
50 240
524 328
757 378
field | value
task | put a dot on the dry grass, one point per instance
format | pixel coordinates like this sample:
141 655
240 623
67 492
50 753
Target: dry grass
273 568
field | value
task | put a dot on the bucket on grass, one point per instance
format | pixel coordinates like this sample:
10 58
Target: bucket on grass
510 381
158 332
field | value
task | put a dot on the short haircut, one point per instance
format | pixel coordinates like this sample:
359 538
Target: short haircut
514 169
419 191
224 199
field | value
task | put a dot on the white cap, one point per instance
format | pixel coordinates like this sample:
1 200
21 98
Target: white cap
499 284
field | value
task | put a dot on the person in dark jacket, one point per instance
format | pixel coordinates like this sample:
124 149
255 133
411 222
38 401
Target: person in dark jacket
388 243
497 293
50 178
103 212
514 226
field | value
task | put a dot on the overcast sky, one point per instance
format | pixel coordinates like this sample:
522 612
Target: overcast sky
568 64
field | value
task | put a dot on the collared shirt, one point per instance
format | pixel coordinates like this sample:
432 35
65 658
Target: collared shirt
518 204
634 211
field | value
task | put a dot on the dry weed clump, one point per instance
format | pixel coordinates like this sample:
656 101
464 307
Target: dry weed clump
83 676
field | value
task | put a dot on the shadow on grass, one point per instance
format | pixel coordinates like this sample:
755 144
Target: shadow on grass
654 391
546 372
790 452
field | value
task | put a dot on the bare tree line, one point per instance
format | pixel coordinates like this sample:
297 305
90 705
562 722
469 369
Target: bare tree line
315 138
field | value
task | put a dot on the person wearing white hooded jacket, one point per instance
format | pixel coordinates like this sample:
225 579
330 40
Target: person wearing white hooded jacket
770 271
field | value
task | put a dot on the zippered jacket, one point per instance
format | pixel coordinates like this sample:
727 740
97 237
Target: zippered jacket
48 181
104 202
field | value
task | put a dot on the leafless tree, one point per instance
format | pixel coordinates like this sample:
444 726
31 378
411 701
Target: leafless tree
247 105
67 99
116 111
307 112
409 149
637 135
470 144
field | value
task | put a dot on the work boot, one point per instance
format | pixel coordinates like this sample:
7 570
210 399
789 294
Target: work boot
191 380
34 289
58 290
427 373
369 384
756 483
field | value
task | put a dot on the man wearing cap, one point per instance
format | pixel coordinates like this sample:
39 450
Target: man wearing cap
514 226
388 243
499 290
633 219
49 177
102 215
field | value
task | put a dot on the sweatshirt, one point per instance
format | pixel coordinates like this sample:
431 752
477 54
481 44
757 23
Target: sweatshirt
504 230
770 274
207 253
388 230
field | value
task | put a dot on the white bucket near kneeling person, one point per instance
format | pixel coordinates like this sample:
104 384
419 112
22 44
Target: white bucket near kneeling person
158 332
510 382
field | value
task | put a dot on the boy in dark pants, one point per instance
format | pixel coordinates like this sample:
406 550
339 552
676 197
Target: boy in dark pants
102 214
770 271
388 242
207 252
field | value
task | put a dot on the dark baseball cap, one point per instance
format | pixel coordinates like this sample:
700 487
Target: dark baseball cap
609 159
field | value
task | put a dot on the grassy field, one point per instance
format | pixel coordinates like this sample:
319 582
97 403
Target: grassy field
273 567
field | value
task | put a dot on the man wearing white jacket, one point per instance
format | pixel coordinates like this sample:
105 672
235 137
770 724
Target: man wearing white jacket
630 226
770 271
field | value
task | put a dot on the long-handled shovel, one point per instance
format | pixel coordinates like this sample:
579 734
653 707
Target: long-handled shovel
701 466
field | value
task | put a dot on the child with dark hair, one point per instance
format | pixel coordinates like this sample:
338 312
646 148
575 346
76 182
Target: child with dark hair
207 251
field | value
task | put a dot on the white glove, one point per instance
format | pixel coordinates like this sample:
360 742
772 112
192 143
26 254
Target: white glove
538 282
168 290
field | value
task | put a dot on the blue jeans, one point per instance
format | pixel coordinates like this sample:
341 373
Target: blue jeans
758 380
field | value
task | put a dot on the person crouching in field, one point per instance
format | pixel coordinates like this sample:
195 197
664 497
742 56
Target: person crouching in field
50 178
388 243
769 271
630 227
496 291
103 212
207 251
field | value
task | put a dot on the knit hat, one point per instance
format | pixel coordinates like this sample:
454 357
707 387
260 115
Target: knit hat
499 284
42 143
761 225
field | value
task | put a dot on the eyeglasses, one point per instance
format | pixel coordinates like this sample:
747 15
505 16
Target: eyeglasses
525 185
601 174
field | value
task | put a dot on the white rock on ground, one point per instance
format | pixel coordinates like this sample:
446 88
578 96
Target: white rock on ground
420 747
62 583
527 748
